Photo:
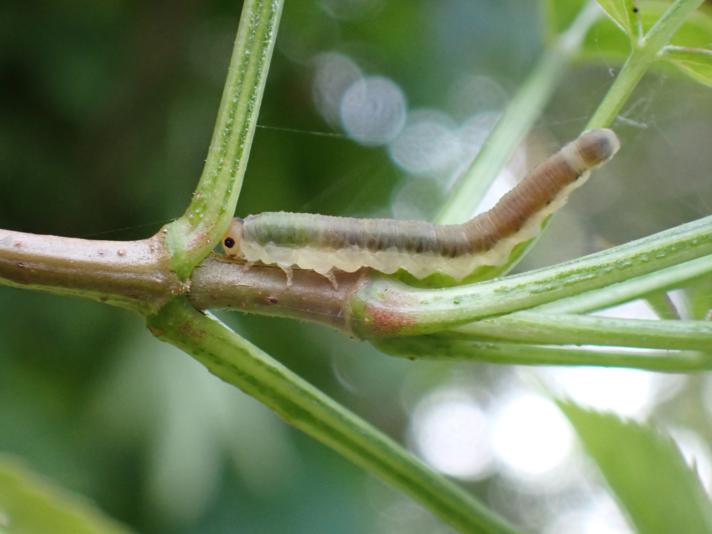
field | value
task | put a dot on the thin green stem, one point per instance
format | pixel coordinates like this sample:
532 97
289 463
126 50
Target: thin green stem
667 278
686 53
645 51
516 121
238 362
569 329
626 81
637 24
662 305
448 346
192 236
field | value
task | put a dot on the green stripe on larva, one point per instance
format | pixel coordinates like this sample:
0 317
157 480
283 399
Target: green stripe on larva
324 243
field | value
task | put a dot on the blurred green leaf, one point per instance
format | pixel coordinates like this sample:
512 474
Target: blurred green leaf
696 32
639 462
605 40
559 15
30 504
695 62
621 12
688 51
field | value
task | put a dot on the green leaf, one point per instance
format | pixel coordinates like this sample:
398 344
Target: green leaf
605 42
646 471
695 62
696 32
30 504
621 12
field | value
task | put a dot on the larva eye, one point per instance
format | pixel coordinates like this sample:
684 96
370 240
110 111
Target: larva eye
231 239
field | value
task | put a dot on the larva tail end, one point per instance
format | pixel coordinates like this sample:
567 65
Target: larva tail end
597 146
232 238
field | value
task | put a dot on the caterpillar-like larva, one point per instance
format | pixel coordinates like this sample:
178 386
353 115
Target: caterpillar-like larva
325 243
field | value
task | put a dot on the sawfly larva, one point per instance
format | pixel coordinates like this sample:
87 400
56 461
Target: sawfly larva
326 243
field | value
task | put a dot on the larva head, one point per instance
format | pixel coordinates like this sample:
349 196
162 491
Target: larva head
595 147
232 238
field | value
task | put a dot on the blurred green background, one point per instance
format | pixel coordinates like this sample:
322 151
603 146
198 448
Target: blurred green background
106 111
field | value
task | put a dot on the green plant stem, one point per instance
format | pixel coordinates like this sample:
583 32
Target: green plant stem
192 236
662 305
665 278
385 308
570 329
644 52
238 362
447 346
516 121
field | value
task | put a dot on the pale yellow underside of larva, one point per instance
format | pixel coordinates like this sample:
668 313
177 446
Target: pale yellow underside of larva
420 265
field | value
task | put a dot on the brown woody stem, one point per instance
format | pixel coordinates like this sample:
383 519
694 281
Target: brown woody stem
220 283
130 274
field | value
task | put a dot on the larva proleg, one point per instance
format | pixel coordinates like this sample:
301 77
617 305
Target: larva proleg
322 243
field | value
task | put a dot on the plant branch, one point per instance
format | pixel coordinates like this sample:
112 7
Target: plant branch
136 274
638 287
447 346
571 329
238 362
192 236
130 274
686 53
220 283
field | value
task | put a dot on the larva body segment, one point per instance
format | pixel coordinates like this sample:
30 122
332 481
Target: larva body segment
323 243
